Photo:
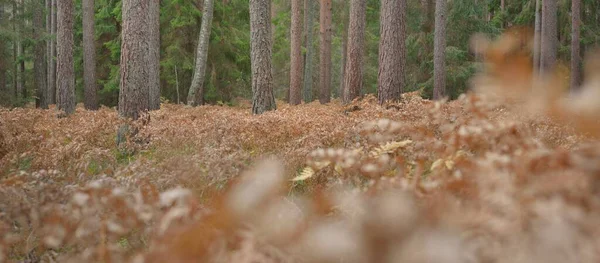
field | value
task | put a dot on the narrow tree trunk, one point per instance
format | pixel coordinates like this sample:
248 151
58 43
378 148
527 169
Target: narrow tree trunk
342 88
392 50
16 89
39 64
154 61
196 92
356 42
48 47
65 77
296 54
89 56
3 63
52 75
549 38
439 47
21 93
135 43
308 64
575 35
325 52
260 43
536 38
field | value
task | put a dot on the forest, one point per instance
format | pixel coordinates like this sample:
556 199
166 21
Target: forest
299 131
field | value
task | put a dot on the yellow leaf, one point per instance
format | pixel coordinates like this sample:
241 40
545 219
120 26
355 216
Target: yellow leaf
306 173
436 164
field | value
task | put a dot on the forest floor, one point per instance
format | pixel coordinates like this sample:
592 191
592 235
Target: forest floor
415 181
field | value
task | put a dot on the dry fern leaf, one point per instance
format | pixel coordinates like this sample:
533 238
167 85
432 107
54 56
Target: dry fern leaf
389 147
306 173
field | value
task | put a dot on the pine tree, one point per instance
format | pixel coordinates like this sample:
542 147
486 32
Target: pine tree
260 42
439 47
356 43
392 50
196 91
575 42
89 57
296 54
65 76
325 52
39 66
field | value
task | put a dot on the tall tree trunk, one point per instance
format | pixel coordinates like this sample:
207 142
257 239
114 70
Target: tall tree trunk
52 70
549 37
309 14
65 77
342 88
16 89
21 93
89 56
575 35
356 46
196 92
261 45
3 63
48 45
392 50
439 48
296 54
39 64
325 52
154 60
536 38
135 43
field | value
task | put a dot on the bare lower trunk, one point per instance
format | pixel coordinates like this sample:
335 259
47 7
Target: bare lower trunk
196 92
536 38
260 43
135 43
325 52
52 75
549 37
342 90
154 60
439 47
39 64
296 54
308 67
575 35
65 77
89 56
392 50
356 42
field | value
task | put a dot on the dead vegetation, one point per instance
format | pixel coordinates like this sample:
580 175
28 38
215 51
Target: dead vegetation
480 179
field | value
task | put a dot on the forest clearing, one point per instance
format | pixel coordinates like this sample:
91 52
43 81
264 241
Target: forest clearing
299 131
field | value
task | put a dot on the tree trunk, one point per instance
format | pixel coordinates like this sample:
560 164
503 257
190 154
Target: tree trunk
65 77
39 64
89 56
439 48
196 92
21 93
154 60
260 43
52 70
308 64
135 43
17 91
343 62
325 52
48 47
356 45
549 37
575 35
3 63
392 50
536 38
296 54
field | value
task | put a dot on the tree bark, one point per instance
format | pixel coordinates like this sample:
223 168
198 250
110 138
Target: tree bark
89 56
48 47
135 43
39 64
3 64
53 51
575 42
308 64
65 77
549 37
296 54
344 53
356 42
154 60
196 92
439 48
21 93
261 45
536 38
325 52
392 50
